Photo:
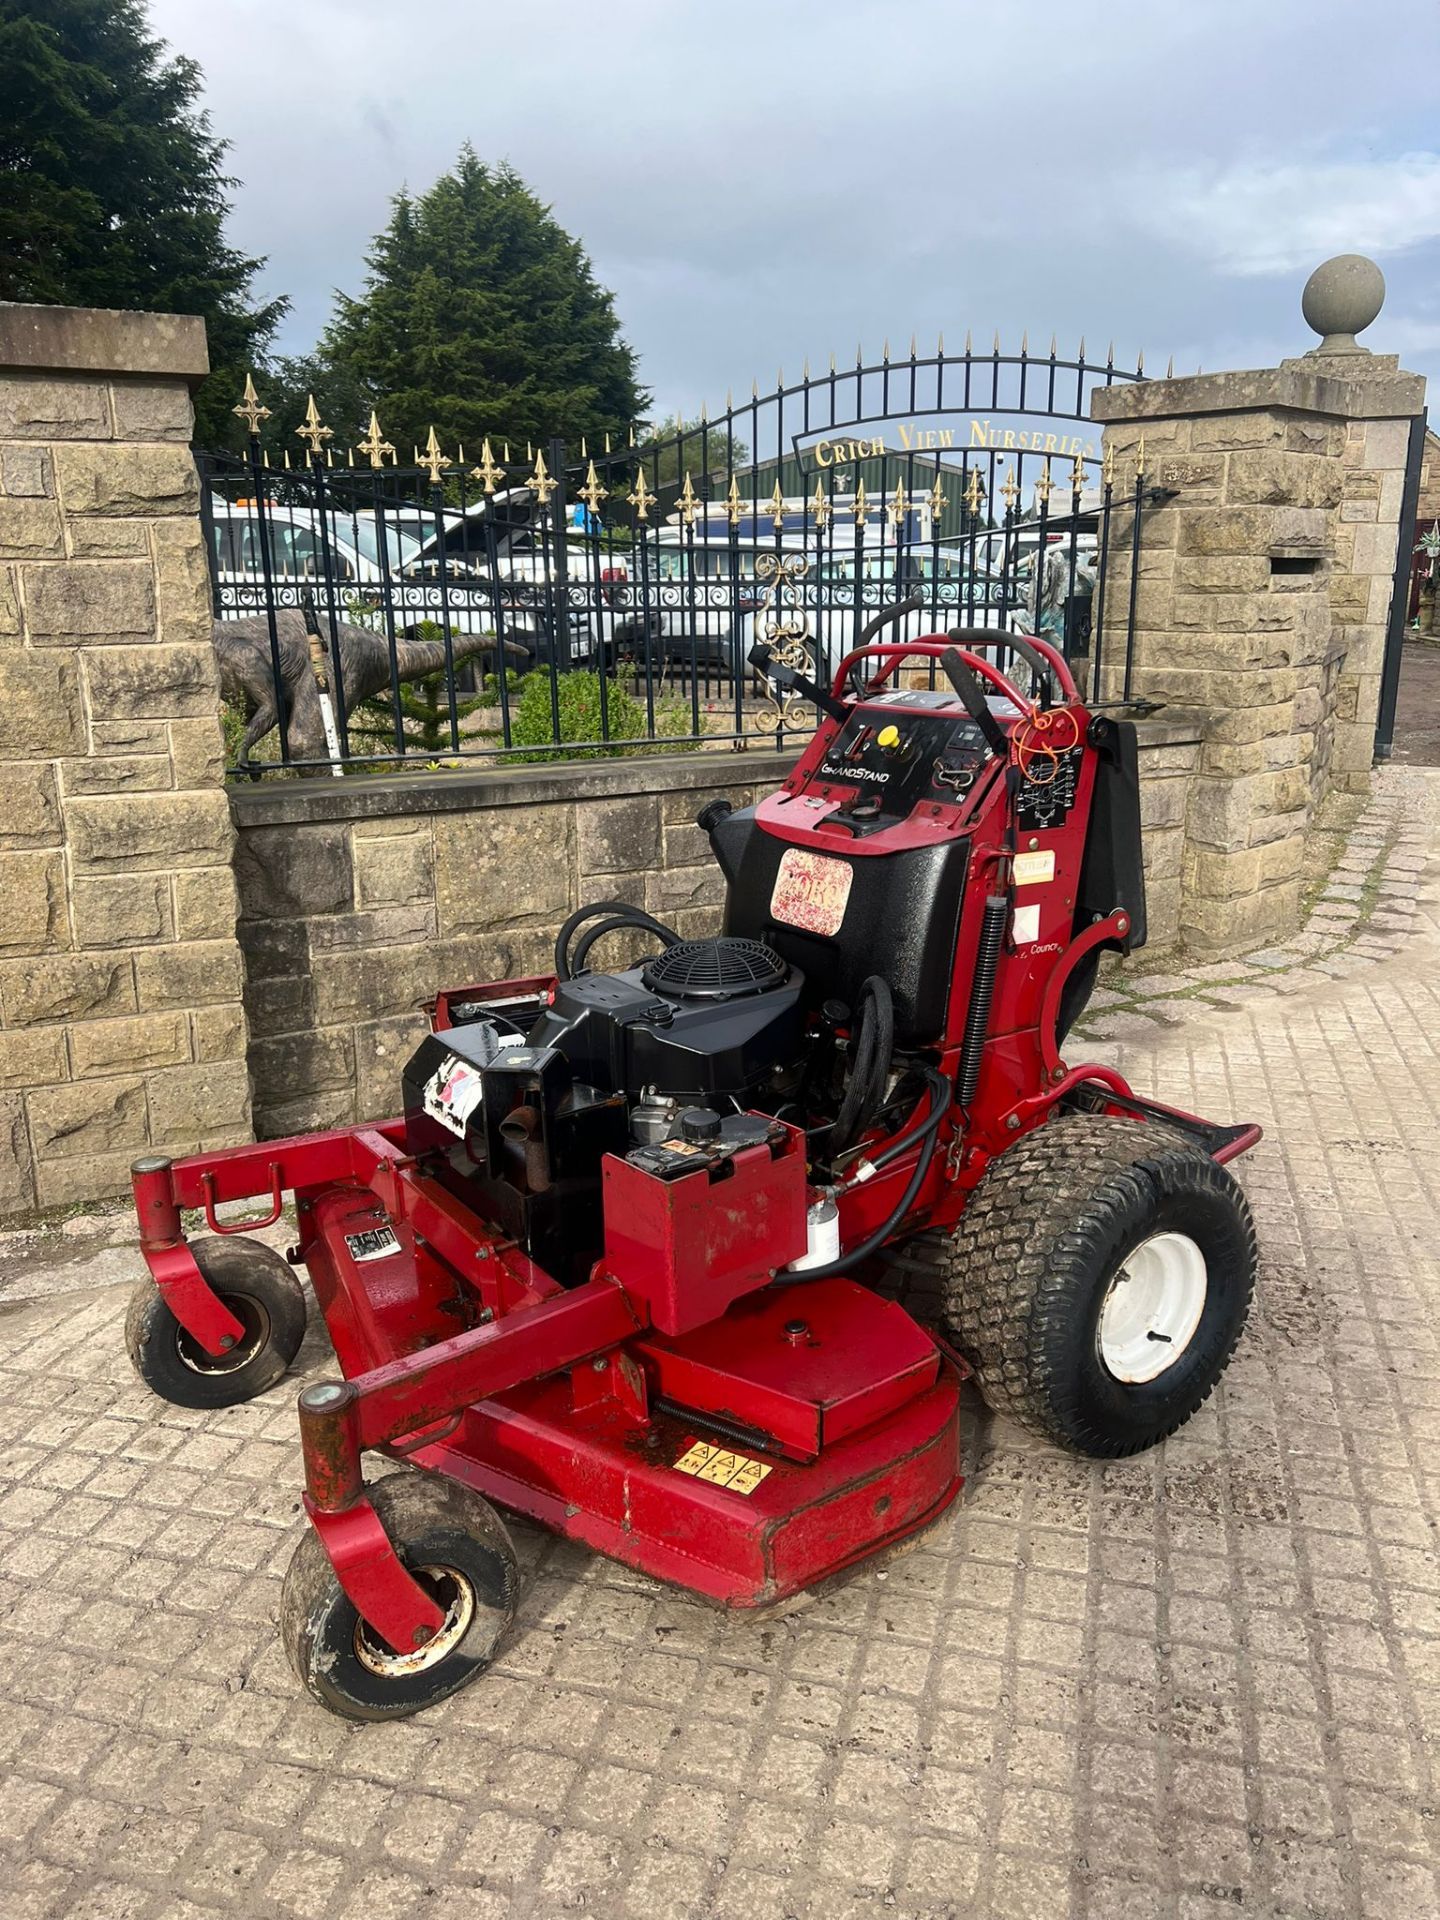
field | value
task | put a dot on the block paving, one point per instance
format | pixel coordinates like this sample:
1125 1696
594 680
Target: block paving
1199 1683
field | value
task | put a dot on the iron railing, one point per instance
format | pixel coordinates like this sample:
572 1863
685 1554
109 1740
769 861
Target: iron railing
373 613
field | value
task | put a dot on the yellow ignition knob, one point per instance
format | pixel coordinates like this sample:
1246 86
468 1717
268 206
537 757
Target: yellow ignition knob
888 737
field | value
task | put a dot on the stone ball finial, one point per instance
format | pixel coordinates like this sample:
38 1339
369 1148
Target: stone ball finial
1341 298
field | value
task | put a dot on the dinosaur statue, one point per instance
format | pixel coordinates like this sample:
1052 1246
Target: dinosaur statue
247 680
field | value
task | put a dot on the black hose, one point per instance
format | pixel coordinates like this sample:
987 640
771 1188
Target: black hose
628 915
592 936
941 1090
902 1142
977 1016
871 1057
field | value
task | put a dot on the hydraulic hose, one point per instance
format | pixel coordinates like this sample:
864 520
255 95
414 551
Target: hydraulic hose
870 1061
625 916
941 1094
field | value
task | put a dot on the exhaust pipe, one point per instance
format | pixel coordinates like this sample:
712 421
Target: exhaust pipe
521 1127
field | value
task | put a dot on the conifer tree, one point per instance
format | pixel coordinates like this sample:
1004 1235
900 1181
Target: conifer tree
112 192
481 315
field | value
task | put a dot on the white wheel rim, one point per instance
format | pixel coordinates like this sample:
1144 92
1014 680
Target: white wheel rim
1152 1307
372 1652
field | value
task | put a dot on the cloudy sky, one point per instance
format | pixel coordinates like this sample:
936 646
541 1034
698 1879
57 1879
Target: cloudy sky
763 180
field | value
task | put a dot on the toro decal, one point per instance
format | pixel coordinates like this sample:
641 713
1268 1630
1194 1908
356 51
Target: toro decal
811 892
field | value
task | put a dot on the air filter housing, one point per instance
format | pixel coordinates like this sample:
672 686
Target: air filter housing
718 969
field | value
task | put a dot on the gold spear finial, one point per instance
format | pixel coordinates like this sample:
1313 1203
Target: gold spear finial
734 505
640 497
540 480
250 409
488 473
860 506
592 493
374 445
777 509
820 507
973 491
1010 492
433 460
938 502
1107 465
687 502
1044 486
899 506
1139 459
313 432
1077 476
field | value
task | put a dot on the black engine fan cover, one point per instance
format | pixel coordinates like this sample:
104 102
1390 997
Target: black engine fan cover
721 969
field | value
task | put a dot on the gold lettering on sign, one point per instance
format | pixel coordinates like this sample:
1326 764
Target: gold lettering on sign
915 439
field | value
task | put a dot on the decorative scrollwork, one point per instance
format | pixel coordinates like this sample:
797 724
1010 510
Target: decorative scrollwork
784 627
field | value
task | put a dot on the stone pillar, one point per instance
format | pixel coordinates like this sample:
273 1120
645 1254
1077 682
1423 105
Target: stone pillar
121 1025
1263 594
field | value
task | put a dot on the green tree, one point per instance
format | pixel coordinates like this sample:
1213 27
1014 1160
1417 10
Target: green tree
424 711
112 192
676 447
481 315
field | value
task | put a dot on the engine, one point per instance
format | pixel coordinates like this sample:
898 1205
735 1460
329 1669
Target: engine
662 1063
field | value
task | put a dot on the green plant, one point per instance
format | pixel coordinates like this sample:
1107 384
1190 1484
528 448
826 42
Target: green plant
576 714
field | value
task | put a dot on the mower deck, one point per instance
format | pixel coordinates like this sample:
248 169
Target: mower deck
688 1504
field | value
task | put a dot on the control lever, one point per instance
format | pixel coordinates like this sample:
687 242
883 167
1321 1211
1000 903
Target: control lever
962 677
764 662
885 616
1043 669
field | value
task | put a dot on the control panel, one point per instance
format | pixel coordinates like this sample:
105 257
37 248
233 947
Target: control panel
899 750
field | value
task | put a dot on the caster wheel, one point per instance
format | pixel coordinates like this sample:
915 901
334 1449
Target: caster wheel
1098 1281
259 1289
455 1544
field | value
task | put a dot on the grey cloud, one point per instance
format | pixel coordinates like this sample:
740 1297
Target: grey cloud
762 182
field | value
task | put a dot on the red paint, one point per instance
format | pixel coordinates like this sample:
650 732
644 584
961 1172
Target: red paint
686 1249
573 1406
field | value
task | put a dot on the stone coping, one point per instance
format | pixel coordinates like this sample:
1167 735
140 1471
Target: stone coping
293 802
287 802
102 340
1379 394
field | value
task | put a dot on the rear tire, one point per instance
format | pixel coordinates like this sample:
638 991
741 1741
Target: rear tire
456 1545
1098 1281
259 1289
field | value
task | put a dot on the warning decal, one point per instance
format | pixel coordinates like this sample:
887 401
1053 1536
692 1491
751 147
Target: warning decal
723 1469
452 1093
811 891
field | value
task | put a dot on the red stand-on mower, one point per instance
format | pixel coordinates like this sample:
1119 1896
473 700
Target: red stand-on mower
609 1270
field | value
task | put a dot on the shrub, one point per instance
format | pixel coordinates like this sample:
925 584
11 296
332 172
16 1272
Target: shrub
577 701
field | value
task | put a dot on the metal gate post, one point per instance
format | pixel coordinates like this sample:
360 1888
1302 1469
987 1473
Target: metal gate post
1400 593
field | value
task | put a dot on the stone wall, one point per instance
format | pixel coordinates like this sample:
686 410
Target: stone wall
359 899
121 1023
1264 589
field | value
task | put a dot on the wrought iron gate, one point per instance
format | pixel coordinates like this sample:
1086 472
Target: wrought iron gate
1400 592
557 600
